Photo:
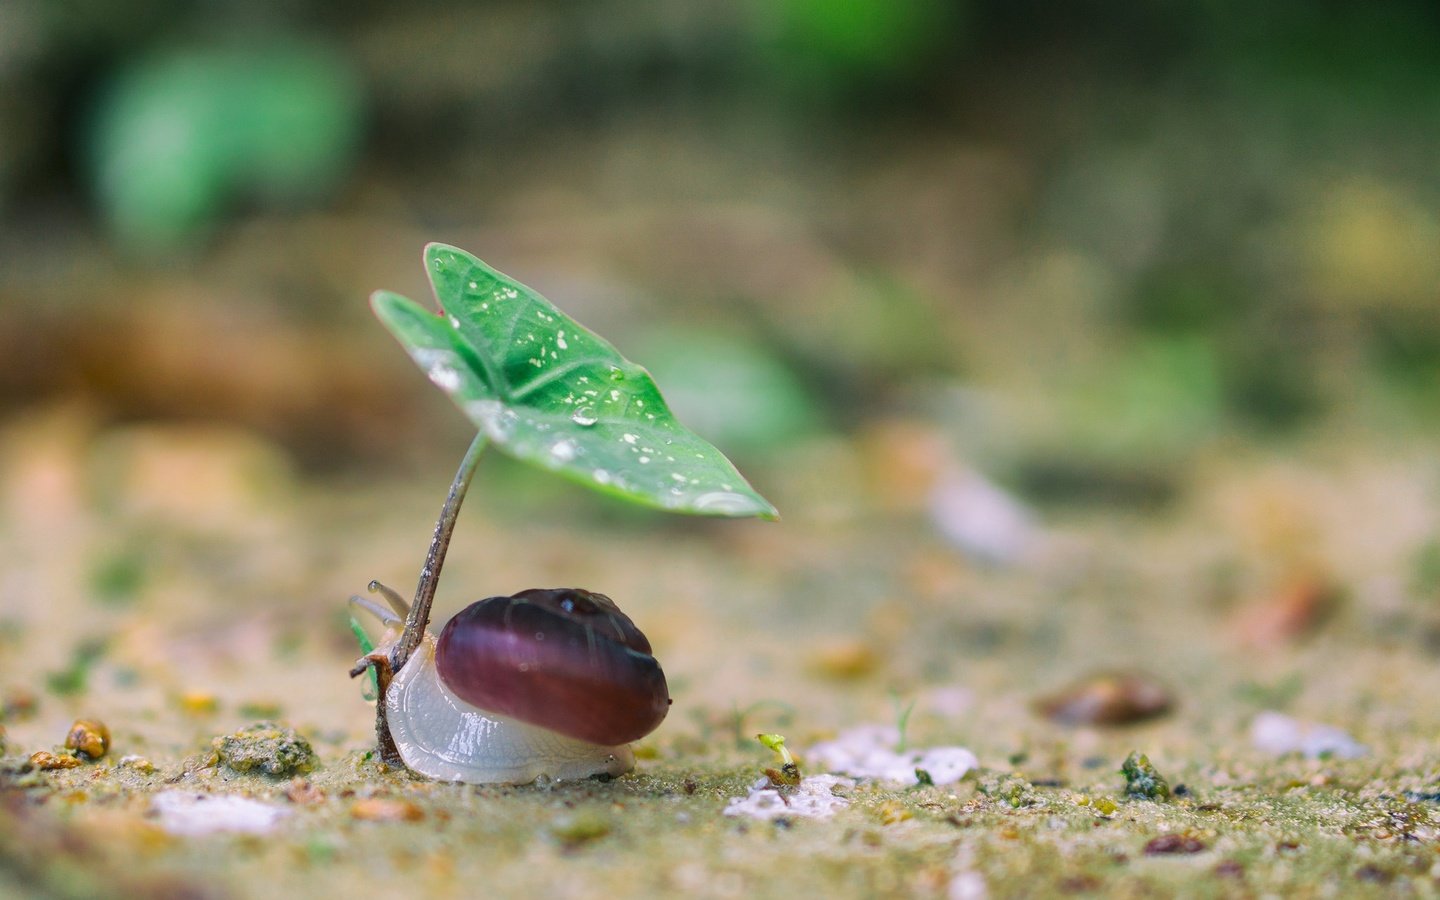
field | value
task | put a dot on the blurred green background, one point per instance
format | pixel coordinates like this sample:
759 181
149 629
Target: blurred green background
1088 242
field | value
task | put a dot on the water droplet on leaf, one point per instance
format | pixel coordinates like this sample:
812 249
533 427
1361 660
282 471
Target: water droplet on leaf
563 451
726 502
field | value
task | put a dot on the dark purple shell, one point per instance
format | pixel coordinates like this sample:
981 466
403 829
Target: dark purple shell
564 659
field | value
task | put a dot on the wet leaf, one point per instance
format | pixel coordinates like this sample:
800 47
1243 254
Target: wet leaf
546 390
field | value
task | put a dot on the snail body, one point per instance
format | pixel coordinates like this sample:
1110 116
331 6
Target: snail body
552 683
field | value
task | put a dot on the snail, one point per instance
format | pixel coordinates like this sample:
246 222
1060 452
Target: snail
546 682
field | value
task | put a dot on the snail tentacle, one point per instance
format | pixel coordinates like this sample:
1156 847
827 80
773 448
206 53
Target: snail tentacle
386 617
392 596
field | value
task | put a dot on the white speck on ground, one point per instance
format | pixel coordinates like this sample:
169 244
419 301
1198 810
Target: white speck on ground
1278 733
189 814
965 882
980 519
967 886
814 798
868 751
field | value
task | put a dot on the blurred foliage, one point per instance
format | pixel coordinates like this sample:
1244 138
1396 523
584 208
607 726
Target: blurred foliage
729 390
848 45
1243 201
179 135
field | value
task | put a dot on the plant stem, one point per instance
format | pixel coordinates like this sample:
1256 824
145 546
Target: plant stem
419 617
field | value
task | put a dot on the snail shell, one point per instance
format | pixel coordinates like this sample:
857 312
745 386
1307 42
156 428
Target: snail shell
550 683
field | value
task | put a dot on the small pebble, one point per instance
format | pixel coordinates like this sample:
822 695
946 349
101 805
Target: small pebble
383 809
303 792
89 738
1107 698
1142 779
266 748
138 763
892 813
1167 844
45 760
198 703
581 828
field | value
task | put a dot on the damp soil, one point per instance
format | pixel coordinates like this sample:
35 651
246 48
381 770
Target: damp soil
183 617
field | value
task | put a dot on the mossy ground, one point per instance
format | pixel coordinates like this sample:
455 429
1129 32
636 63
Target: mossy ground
247 615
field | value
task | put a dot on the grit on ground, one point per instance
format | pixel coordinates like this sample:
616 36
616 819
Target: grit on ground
1254 593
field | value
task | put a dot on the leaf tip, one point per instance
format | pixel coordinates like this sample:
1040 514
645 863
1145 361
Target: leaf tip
767 511
388 305
437 252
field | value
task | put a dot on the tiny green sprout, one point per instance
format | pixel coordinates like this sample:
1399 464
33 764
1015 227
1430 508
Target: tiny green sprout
776 742
541 388
902 720
788 775
366 647
1142 779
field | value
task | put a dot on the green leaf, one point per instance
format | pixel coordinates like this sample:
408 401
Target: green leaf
544 389
180 135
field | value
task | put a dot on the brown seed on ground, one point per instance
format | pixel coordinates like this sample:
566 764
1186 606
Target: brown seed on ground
88 737
1286 615
303 792
1079 884
1373 873
1107 698
383 809
44 759
1173 843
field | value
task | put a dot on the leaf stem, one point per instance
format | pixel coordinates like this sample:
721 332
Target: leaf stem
419 616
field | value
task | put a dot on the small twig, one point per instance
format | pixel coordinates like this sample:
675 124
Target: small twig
418 617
